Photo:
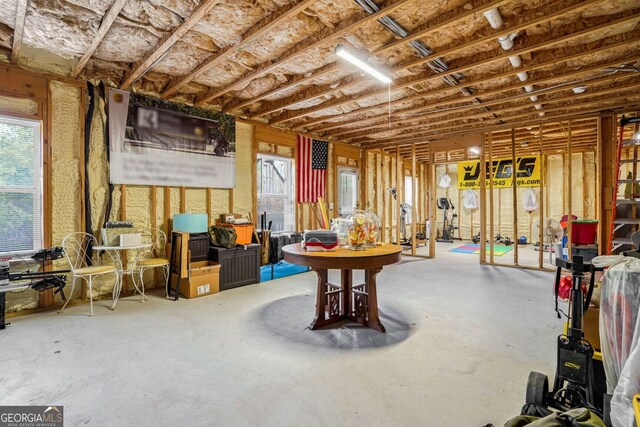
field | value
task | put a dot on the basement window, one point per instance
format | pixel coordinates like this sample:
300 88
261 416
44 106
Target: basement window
21 213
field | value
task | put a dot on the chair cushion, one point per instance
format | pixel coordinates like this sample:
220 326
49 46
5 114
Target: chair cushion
153 262
95 269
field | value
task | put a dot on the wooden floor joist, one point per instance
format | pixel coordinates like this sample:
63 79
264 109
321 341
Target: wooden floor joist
18 31
105 25
257 31
343 29
546 13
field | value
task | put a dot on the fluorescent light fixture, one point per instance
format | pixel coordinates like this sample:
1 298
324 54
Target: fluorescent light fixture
342 52
474 150
636 136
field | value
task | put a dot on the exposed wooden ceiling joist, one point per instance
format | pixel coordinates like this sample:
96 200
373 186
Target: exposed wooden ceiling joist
523 45
617 103
428 118
557 74
165 43
328 35
18 31
446 19
256 32
105 25
454 16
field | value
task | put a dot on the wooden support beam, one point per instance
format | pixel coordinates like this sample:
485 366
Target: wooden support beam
483 201
167 210
328 122
522 46
491 209
18 29
105 25
433 226
503 104
414 219
570 191
618 103
441 21
514 197
183 200
346 27
429 121
208 202
398 193
255 33
123 202
166 42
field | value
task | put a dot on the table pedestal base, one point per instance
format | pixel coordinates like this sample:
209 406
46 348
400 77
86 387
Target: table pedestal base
358 303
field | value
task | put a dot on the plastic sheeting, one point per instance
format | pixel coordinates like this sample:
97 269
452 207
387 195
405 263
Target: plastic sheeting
620 335
445 181
470 199
530 200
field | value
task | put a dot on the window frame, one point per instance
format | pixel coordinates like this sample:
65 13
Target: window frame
349 171
38 240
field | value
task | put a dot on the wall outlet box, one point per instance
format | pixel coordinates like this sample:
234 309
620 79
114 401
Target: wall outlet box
331 205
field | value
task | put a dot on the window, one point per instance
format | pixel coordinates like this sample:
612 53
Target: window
20 185
275 191
347 191
408 190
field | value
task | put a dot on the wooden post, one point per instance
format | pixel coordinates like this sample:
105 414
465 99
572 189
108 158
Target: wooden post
230 201
154 221
379 190
208 198
569 192
515 196
432 207
585 186
483 202
336 182
383 189
167 210
541 221
183 200
398 192
254 178
491 221
414 222
123 202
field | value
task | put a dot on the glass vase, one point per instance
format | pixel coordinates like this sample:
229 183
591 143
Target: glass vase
358 230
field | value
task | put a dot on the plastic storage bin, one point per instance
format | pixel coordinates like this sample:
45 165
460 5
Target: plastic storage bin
584 232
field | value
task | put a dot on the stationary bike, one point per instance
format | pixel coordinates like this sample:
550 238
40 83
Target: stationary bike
575 384
448 229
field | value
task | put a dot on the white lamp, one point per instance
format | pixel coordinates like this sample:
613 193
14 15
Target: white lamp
342 52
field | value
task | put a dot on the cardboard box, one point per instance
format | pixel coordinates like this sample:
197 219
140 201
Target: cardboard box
592 327
204 279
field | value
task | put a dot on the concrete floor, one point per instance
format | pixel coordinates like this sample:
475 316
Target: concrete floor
461 341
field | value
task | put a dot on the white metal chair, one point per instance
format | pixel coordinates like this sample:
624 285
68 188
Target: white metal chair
75 247
155 257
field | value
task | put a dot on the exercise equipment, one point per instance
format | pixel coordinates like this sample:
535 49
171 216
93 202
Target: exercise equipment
574 384
448 228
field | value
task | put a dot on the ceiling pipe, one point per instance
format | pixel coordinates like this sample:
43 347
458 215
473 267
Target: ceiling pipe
515 60
494 18
506 41
523 76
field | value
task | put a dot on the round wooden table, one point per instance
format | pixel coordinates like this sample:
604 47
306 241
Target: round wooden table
334 303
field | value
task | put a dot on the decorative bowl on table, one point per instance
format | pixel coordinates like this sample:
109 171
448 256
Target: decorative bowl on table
358 230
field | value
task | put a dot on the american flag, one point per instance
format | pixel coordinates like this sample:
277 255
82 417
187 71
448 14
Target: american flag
311 170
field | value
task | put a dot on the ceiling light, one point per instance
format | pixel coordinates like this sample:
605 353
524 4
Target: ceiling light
474 150
636 136
579 89
342 52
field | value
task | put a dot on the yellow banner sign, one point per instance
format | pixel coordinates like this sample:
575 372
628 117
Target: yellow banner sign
501 171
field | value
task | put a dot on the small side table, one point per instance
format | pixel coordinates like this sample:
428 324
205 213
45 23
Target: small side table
116 253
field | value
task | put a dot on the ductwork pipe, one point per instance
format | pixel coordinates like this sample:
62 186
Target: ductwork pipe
538 106
534 98
507 41
515 60
528 88
523 76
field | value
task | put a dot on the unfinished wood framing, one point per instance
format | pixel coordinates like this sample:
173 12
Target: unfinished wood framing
18 32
